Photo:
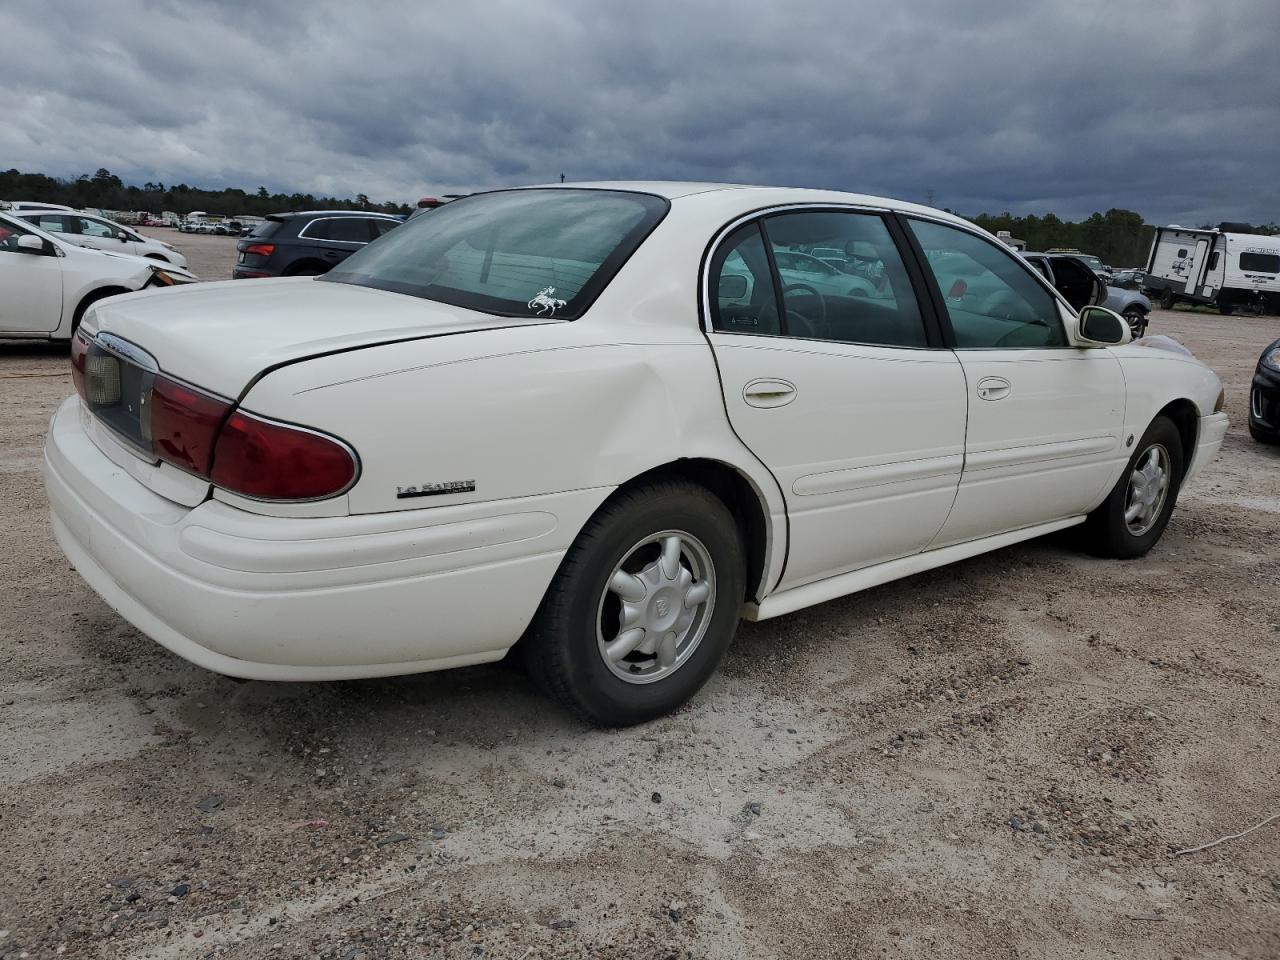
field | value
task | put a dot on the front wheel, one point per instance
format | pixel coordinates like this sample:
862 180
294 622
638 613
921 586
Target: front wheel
1137 321
1133 517
1166 299
644 605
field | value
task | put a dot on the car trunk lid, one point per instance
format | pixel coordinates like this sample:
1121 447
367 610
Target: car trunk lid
223 336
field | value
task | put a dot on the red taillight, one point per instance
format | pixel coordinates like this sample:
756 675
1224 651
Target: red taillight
261 249
79 348
275 461
184 425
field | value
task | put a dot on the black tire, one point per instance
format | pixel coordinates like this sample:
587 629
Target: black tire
1167 299
1105 532
1226 309
1137 321
88 302
562 646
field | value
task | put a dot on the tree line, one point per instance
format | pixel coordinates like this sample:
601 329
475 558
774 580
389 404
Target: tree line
105 191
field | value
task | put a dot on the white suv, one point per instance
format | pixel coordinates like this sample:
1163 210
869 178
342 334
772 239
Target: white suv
98 233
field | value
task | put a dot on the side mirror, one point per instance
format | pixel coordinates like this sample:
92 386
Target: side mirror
732 287
30 243
1102 327
122 236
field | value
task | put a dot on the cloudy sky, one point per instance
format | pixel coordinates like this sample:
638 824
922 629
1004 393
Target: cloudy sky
1170 108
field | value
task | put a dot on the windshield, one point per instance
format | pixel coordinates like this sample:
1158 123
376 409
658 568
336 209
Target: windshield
546 252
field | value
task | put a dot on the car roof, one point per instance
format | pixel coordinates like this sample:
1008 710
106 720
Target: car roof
752 196
289 215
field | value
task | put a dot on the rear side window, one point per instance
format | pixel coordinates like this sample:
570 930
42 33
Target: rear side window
862 294
383 226
266 228
349 230
545 252
1260 262
992 299
742 294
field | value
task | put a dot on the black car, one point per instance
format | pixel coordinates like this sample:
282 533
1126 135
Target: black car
1264 397
306 244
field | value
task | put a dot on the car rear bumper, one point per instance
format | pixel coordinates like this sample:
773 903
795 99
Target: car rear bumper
305 599
1208 439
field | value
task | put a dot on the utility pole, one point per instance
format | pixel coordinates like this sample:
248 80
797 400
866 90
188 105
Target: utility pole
929 194
562 178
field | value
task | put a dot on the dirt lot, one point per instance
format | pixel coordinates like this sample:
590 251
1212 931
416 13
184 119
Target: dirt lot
992 760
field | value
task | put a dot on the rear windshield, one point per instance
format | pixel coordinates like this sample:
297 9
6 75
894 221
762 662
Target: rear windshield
266 228
522 253
1260 262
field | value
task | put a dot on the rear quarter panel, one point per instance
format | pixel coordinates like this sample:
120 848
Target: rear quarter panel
519 412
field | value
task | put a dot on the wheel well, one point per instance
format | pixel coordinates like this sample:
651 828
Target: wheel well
91 298
1186 418
736 492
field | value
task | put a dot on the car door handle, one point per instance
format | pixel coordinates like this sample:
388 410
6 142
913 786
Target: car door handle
769 393
994 388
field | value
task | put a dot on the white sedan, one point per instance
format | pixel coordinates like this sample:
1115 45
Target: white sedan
98 233
46 284
555 416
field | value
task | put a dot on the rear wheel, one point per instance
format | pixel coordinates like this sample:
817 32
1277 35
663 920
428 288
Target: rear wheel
1166 299
1133 517
1226 308
643 607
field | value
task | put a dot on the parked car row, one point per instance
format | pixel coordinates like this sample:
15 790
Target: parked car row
47 282
626 507
98 233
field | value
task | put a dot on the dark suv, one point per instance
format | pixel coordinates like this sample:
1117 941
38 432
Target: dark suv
307 244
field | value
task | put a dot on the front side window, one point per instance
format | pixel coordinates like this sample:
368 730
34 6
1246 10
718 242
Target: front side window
9 234
862 294
992 299
95 228
1260 262
545 252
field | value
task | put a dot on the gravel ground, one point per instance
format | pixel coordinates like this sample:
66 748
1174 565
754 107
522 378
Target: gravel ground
992 760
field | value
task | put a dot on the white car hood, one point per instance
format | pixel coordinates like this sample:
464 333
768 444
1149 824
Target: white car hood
220 336
75 250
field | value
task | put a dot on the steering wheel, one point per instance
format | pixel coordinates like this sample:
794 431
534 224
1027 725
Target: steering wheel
808 325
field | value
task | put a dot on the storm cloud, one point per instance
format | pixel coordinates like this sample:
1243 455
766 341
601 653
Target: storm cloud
1170 108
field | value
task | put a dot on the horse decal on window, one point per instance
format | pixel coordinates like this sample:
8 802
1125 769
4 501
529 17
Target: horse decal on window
545 303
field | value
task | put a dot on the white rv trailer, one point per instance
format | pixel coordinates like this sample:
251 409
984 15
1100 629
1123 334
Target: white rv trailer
1226 270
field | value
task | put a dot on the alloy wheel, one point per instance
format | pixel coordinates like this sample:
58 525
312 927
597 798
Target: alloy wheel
1148 489
656 607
